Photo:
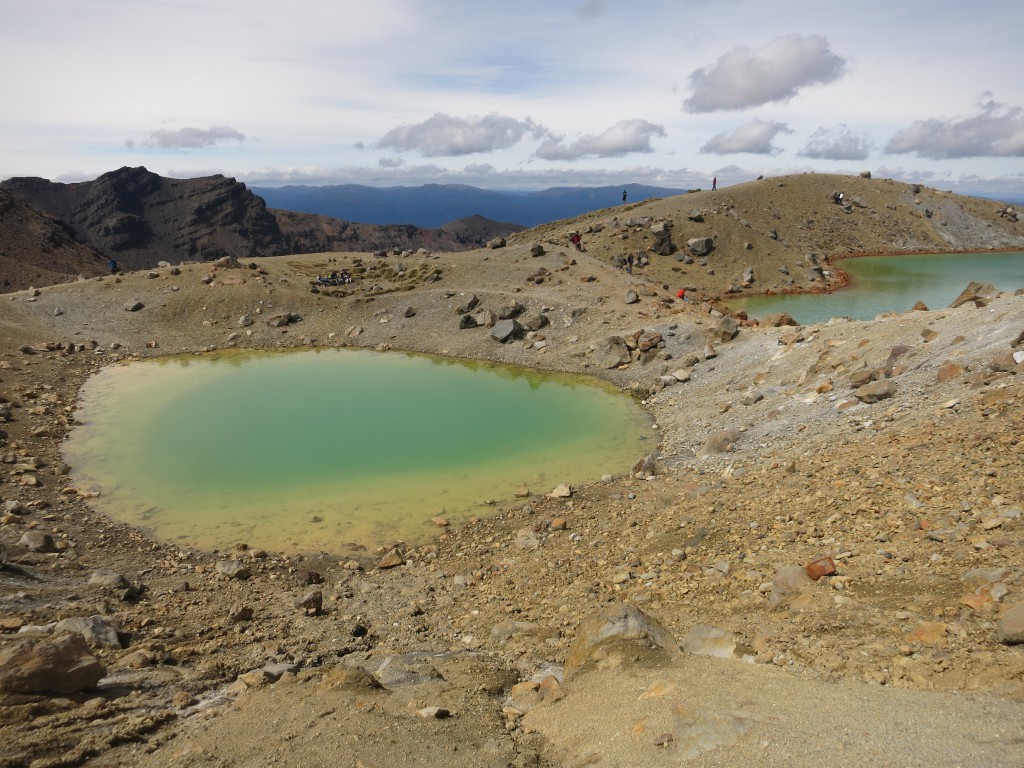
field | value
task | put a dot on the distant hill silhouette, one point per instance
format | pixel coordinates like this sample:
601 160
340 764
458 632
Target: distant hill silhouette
141 218
434 205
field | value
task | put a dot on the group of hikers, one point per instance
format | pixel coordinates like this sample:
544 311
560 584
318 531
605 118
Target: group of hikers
335 278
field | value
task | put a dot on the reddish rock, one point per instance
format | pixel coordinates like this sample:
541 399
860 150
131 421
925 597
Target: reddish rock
948 371
929 633
550 688
823 566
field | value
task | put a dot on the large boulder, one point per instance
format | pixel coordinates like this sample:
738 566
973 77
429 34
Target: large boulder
1011 625
874 391
662 245
468 305
700 246
506 330
617 623
979 294
96 630
725 330
611 352
534 321
776 320
38 541
63 665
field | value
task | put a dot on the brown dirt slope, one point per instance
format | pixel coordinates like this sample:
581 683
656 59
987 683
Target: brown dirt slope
775 223
770 457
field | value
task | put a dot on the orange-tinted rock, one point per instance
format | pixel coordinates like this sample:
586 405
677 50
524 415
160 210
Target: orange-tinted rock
823 566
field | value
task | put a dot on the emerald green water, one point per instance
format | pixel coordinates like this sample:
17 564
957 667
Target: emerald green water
324 450
894 284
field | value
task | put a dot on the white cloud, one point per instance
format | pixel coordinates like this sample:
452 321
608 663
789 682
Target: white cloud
625 137
837 143
448 136
320 83
996 131
744 78
755 137
190 138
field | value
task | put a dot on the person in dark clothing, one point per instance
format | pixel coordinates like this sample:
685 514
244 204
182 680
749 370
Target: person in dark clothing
112 265
623 195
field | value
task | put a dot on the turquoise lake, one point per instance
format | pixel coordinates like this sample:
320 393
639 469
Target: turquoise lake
893 284
328 450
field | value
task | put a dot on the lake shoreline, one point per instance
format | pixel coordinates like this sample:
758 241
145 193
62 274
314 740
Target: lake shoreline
844 280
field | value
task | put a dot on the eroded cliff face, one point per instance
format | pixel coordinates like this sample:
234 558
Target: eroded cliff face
37 249
141 219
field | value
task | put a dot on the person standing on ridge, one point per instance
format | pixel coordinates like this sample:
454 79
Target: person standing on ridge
714 183
623 195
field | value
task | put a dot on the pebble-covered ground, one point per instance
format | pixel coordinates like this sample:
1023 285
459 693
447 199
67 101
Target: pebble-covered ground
802 570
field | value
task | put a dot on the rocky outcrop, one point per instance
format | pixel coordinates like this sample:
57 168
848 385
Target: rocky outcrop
140 218
63 665
618 622
37 249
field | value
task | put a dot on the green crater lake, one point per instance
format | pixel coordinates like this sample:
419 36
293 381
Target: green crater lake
333 449
893 284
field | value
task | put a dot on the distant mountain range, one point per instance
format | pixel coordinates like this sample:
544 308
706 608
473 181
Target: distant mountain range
434 205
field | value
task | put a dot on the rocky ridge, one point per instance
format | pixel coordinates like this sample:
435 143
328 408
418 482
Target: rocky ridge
142 219
36 249
829 532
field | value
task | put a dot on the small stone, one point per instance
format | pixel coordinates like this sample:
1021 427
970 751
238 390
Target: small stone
392 559
239 612
233 569
311 603
106 577
561 491
433 713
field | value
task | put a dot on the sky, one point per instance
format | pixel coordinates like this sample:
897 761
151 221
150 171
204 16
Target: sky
521 95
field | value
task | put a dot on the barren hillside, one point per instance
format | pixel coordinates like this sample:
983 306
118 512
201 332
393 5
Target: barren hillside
822 555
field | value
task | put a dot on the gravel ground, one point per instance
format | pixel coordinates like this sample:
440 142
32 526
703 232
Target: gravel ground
895 658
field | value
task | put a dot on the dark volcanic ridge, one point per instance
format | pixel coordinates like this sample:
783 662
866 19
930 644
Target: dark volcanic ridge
140 219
